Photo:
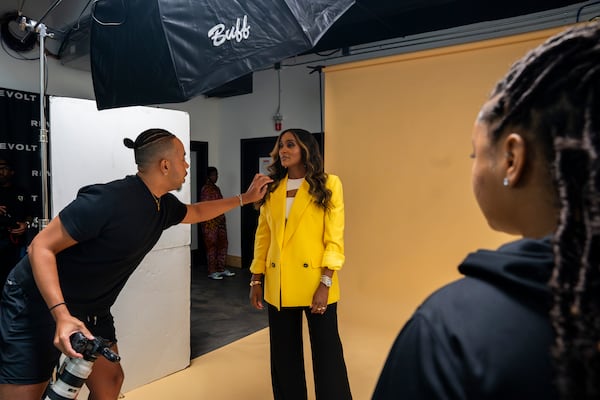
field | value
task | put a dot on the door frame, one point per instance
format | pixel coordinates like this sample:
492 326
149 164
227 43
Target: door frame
198 166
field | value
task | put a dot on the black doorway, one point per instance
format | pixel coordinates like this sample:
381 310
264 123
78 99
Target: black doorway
198 166
251 151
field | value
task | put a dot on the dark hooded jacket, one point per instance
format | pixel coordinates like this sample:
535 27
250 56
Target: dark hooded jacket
484 336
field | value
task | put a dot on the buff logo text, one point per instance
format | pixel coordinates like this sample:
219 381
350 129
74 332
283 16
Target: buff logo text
219 34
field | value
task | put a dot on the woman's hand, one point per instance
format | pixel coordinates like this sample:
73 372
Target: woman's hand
256 291
256 296
319 301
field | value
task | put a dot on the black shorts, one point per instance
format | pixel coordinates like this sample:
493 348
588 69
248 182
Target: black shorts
27 352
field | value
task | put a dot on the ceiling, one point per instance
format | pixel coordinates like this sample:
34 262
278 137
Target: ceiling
365 22
375 20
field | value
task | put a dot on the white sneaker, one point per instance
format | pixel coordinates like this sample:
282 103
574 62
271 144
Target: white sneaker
215 276
227 272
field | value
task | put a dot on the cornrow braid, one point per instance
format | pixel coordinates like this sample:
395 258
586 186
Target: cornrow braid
553 94
148 144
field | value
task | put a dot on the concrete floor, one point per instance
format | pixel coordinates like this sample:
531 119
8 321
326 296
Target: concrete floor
220 310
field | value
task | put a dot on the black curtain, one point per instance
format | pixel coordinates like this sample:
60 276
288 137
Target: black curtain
20 142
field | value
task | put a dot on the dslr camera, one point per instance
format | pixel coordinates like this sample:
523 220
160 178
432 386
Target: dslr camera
73 372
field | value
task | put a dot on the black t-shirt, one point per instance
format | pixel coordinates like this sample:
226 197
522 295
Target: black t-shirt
486 336
115 225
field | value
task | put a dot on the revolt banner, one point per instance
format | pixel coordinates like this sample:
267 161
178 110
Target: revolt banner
20 143
145 52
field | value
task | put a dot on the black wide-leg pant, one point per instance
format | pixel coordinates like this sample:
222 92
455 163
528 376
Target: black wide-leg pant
287 355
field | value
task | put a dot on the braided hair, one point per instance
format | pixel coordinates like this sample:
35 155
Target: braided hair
553 94
150 145
311 157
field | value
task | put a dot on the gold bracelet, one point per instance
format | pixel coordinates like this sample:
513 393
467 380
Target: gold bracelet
254 283
239 196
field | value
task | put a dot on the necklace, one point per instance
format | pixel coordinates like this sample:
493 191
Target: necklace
154 197
157 201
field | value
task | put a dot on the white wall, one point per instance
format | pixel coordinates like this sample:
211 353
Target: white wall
25 75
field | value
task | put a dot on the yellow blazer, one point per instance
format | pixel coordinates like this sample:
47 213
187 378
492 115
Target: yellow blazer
291 255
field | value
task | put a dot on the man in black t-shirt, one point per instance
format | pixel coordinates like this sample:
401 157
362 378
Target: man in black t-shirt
82 260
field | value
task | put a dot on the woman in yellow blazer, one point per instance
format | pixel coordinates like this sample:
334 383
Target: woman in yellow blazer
298 249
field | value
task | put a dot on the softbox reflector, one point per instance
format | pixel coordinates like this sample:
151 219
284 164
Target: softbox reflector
165 51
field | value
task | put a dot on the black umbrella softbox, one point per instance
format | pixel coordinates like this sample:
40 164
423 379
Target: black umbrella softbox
165 51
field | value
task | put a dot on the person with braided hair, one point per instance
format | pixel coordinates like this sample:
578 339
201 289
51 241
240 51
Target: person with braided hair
77 266
524 322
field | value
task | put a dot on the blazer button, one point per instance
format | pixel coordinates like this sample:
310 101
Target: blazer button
273 264
305 265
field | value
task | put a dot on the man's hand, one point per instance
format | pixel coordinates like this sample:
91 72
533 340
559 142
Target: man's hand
66 325
257 189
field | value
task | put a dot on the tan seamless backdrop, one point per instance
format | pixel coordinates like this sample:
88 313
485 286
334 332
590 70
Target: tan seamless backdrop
398 133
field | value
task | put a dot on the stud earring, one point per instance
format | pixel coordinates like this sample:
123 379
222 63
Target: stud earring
505 182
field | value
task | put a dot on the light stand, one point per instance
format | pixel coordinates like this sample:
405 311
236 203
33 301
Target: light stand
39 28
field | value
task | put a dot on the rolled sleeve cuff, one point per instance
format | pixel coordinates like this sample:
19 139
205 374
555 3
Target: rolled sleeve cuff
333 261
257 267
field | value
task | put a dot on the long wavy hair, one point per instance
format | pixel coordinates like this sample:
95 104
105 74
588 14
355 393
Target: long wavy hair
553 94
311 157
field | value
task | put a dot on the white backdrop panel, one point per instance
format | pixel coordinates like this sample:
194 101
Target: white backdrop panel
87 147
152 312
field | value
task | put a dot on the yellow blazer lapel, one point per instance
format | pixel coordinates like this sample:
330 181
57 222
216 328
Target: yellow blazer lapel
278 205
301 202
